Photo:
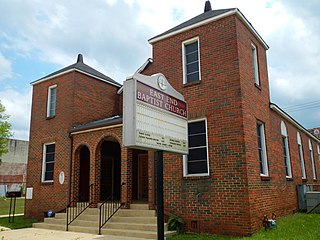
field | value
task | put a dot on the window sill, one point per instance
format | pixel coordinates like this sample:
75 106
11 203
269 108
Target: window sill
257 86
289 179
196 177
48 118
265 178
47 183
191 83
304 180
315 180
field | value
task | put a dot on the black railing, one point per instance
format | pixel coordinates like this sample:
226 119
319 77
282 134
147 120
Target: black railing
75 208
108 208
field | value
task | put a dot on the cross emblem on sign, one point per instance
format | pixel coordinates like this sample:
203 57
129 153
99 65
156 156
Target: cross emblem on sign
162 82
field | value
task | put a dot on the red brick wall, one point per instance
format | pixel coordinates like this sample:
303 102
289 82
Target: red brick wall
223 205
79 99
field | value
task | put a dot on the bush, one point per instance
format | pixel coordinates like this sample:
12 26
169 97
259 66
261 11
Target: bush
175 224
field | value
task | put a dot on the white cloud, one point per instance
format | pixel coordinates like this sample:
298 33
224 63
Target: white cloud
5 68
18 106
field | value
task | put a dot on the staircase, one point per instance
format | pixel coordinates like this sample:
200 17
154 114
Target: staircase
138 222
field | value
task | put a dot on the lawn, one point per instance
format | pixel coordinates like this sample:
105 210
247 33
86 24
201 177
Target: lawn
294 227
5 205
19 222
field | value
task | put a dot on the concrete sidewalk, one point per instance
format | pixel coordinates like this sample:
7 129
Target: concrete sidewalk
44 234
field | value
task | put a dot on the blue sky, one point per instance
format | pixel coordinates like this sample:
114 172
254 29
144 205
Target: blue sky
39 37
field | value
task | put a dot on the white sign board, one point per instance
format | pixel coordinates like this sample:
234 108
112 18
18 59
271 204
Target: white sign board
154 115
29 192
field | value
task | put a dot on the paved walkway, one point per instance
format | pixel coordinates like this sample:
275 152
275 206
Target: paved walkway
44 234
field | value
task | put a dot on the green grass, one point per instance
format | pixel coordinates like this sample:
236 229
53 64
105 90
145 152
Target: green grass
5 205
19 222
294 227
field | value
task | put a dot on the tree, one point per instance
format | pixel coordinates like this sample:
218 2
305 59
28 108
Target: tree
5 130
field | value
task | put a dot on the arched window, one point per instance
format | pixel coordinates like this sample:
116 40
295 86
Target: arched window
285 146
314 174
300 150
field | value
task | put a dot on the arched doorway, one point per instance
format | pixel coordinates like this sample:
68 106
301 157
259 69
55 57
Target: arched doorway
110 176
84 174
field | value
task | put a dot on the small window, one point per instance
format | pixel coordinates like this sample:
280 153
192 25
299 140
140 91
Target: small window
51 103
48 162
191 61
314 173
196 162
255 64
300 151
285 147
262 150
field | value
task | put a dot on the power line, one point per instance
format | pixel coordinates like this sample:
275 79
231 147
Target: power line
303 106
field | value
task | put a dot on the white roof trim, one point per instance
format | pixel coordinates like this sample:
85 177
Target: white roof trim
229 13
292 121
56 75
77 70
96 129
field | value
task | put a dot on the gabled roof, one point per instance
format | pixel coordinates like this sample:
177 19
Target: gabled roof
204 18
79 66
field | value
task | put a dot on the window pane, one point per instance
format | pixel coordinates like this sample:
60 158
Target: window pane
197 140
197 154
50 148
50 157
48 176
192 47
197 167
193 77
192 57
192 67
49 167
196 127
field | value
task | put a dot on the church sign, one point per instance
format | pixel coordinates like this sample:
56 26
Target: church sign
154 115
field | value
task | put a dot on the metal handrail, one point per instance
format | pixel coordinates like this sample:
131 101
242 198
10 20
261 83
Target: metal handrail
108 208
75 208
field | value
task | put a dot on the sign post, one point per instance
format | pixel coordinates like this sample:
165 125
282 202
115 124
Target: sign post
155 118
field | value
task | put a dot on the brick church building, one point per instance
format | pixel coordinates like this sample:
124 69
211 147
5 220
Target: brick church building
246 155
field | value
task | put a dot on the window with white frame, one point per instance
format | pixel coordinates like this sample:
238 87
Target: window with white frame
255 64
300 151
51 102
48 162
314 173
196 163
285 147
191 60
262 150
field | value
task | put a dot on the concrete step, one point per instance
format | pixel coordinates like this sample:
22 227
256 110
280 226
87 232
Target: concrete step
131 226
85 223
135 213
49 226
140 206
87 217
145 220
60 216
56 221
82 229
129 233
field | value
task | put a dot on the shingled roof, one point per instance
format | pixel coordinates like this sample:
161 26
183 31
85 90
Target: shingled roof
204 18
80 67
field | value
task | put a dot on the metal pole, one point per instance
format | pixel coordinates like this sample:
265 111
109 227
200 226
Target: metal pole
160 212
